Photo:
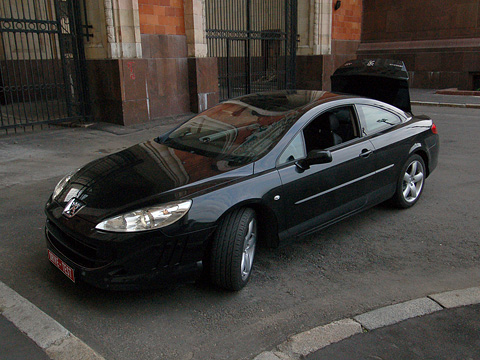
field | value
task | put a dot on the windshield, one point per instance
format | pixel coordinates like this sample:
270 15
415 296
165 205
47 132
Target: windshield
232 131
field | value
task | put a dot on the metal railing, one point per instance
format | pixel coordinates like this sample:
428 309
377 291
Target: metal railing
254 42
42 63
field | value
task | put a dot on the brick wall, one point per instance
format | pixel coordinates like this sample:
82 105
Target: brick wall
161 17
347 20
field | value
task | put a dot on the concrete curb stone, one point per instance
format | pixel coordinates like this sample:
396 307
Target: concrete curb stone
308 341
48 334
393 314
300 345
72 348
440 104
458 298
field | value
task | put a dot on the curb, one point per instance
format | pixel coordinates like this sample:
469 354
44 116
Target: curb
57 342
432 103
300 345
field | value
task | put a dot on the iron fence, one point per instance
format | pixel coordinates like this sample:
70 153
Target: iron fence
254 42
42 63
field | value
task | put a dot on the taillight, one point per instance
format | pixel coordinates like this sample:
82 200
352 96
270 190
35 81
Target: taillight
434 128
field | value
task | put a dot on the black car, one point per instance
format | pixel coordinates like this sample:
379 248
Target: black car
260 168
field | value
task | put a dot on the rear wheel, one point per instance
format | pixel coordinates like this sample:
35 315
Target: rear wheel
410 182
233 250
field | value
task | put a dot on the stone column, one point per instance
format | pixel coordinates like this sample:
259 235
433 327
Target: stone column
315 47
115 69
195 28
123 29
322 28
202 70
315 27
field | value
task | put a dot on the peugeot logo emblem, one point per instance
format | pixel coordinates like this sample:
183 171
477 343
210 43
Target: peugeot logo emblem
72 208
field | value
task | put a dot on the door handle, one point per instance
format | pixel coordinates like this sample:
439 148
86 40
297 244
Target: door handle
366 153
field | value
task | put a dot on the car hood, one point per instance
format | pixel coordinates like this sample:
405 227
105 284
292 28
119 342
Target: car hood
379 79
145 174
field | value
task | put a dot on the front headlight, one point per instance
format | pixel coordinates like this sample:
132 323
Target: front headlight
61 184
150 218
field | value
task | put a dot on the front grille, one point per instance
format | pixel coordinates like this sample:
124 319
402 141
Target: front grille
75 250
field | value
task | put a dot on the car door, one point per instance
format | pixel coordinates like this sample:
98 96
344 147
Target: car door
383 128
325 192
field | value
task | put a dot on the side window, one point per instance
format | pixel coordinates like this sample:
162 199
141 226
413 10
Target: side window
294 151
333 127
377 119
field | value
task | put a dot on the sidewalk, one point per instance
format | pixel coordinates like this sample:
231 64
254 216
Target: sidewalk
428 97
390 336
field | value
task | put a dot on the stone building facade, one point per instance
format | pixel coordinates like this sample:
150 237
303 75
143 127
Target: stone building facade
148 58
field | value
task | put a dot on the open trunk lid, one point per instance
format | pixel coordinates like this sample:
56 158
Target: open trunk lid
380 79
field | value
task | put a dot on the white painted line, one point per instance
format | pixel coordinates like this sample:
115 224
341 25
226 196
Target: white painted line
456 298
47 333
393 314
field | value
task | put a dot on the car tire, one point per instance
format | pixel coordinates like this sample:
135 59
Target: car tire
410 182
233 250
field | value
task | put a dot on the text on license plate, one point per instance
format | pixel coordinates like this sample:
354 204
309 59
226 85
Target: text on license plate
67 270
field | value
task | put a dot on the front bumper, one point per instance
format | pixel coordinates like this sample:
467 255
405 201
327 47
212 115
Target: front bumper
151 260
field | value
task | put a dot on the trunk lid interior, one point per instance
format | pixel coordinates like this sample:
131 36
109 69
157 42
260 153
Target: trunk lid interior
380 79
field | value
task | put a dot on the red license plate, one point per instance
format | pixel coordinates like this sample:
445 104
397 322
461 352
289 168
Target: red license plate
59 263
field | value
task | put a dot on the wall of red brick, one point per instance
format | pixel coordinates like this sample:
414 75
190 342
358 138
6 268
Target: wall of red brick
161 17
347 20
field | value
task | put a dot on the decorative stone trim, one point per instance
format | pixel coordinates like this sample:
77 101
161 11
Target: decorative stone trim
195 28
318 13
322 28
123 29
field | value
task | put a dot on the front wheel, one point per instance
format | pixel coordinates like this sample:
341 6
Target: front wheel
233 250
410 182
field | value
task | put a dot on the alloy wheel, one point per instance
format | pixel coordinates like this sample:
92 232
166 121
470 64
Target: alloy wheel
249 249
413 181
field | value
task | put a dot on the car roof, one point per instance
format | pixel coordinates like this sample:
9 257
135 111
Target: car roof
283 101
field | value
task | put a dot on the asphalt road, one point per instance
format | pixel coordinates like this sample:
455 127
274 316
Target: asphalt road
380 257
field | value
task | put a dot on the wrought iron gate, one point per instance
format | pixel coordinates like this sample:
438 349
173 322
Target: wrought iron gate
254 42
42 62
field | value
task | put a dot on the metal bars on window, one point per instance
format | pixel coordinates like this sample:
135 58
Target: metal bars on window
254 42
42 63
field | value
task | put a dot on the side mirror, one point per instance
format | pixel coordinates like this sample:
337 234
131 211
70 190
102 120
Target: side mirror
314 157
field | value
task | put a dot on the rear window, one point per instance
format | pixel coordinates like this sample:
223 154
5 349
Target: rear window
376 119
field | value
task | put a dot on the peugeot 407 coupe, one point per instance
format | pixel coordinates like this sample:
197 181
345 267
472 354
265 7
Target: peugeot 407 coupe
261 168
